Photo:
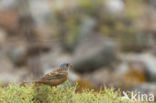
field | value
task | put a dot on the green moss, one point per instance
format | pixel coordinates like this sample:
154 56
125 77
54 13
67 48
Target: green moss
65 94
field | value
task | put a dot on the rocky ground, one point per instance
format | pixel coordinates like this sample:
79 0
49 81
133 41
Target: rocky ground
108 44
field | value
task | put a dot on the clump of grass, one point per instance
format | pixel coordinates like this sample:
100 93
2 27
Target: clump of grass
65 94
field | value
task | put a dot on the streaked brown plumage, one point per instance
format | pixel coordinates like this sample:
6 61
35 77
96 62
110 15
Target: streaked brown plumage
55 77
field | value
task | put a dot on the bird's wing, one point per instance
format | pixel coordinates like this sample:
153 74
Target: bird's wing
54 75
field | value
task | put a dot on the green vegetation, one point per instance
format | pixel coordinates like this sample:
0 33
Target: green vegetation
65 94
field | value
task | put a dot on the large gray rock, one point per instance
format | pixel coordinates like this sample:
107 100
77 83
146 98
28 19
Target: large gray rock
7 4
94 53
17 53
144 61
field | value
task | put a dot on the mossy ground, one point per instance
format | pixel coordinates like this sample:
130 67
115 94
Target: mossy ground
65 94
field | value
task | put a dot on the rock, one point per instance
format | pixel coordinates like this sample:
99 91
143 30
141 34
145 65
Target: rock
94 53
7 4
133 77
17 53
104 77
115 6
146 61
133 72
100 78
150 62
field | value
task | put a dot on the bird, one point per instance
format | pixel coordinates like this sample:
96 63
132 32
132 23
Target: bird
56 77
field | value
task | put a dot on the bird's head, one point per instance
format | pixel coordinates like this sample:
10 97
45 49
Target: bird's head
66 66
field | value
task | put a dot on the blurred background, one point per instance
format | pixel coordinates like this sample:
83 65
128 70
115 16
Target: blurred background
109 42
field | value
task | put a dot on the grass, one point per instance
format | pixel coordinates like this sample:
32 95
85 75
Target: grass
14 93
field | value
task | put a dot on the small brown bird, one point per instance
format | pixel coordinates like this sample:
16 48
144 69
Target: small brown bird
56 77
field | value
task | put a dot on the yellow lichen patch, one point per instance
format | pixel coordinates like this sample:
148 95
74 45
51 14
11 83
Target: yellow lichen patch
84 84
135 76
